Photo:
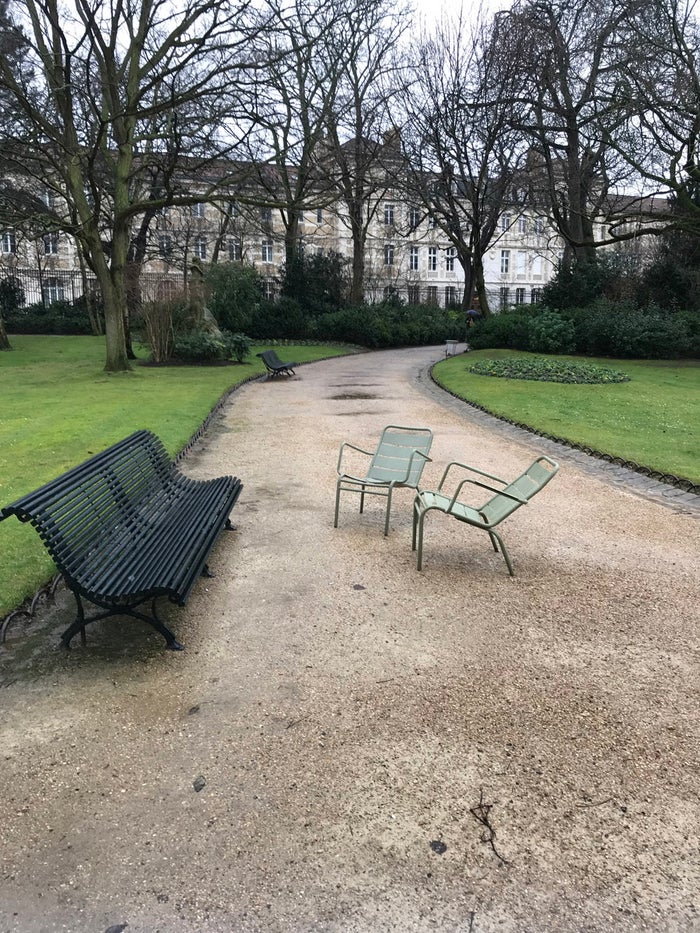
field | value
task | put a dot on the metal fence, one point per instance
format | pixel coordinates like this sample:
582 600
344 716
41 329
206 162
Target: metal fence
48 286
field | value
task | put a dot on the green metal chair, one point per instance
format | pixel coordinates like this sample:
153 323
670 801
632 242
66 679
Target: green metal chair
398 461
502 504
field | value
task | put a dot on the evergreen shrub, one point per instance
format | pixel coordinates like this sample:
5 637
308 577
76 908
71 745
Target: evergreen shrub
60 317
606 328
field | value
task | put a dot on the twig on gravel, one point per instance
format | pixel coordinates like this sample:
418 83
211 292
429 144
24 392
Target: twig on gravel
594 803
481 813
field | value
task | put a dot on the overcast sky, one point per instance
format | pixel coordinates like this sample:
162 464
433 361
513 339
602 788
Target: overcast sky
431 10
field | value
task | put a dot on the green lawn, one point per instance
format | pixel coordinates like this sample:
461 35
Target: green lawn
654 419
58 407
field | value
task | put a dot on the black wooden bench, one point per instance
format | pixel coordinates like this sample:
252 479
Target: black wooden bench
275 366
126 526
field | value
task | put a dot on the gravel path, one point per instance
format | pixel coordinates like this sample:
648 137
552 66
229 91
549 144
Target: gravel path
349 745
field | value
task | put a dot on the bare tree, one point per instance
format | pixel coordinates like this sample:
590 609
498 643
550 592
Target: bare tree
110 84
461 142
294 96
658 93
571 55
361 147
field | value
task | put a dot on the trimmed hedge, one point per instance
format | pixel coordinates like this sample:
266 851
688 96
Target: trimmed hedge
374 326
606 328
60 317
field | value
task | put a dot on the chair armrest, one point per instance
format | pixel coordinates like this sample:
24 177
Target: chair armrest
345 444
415 453
470 469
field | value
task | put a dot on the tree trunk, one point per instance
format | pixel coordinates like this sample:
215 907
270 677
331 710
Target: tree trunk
357 287
481 292
4 339
114 298
291 237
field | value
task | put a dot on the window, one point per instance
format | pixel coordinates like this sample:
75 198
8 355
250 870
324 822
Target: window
450 296
9 242
233 209
50 244
536 295
52 290
538 225
504 296
432 295
268 290
389 254
432 258
413 259
319 215
49 198
537 267
505 261
267 250
505 222
520 263
414 218
414 294
197 210
266 215
450 254
431 221
389 214
200 247
520 296
522 224
300 217
235 250
165 246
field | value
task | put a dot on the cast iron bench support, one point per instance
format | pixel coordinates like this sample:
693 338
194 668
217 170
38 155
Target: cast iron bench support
126 527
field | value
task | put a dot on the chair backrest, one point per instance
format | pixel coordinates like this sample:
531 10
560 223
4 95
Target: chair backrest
395 459
524 487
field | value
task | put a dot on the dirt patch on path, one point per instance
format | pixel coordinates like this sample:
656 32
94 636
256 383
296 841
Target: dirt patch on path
349 745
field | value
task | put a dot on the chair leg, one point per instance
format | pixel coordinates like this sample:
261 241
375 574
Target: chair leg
388 512
362 500
493 535
421 520
337 504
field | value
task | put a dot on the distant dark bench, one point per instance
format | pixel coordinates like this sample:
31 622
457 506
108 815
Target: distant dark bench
275 366
126 526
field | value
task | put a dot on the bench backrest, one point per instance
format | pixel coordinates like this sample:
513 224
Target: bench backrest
395 459
524 487
72 511
270 356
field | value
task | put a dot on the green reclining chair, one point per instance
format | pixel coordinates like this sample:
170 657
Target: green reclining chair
502 504
398 461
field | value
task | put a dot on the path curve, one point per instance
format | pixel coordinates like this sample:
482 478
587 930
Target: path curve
375 748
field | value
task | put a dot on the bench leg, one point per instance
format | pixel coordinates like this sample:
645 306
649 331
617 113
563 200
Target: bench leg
80 622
